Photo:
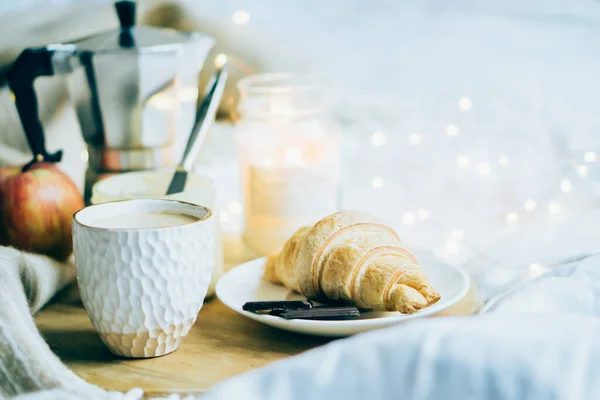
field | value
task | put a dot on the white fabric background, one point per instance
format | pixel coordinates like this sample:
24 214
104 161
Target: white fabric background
443 359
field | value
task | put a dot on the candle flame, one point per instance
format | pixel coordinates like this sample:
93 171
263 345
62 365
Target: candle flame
267 162
293 156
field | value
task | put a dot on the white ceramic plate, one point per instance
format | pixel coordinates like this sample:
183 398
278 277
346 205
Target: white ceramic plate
244 283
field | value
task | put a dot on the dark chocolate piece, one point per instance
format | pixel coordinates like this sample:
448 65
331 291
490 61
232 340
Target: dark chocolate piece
320 313
276 306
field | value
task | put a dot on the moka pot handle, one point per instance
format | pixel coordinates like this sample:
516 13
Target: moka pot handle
33 63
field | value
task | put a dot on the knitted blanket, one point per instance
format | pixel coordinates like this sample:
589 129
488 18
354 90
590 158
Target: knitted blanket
28 367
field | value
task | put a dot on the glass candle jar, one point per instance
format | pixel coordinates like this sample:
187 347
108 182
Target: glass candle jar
289 149
199 189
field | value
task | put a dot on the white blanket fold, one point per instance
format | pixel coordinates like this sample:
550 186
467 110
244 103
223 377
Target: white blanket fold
27 364
540 340
447 358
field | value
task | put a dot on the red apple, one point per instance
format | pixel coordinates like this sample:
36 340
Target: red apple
36 209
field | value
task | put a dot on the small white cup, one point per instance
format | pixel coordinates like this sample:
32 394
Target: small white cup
143 287
199 189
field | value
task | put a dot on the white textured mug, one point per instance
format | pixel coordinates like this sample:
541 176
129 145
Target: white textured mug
143 287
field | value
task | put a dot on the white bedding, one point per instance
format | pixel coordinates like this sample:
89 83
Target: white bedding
541 341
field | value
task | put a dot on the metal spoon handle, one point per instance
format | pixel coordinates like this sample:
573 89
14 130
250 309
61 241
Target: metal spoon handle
204 118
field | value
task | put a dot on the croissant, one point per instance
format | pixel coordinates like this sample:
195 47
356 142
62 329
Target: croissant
351 256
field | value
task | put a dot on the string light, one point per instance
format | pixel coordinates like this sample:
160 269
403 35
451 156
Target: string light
414 139
503 160
530 205
457 234
565 185
220 60
483 169
452 130
377 182
378 139
462 161
408 218
465 104
240 17
267 162
590 156
512 218
423 213
224 216
234 207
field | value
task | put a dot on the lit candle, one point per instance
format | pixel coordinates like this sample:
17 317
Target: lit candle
530 204
290 158
292 187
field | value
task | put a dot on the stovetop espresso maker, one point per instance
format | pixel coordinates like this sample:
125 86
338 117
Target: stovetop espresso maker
127 87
